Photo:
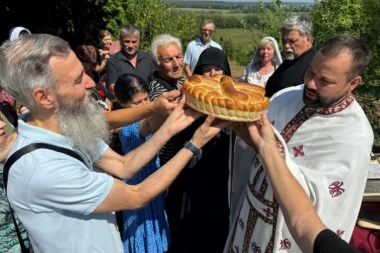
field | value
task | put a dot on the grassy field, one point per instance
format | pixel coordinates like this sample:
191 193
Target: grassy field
236 34
236 71
214 12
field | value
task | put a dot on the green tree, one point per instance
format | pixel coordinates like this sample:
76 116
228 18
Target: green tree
271 16
357 17
152 17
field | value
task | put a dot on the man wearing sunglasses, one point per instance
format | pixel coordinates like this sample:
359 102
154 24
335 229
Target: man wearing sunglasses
196 47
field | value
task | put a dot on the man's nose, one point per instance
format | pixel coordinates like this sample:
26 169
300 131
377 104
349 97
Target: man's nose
310 83
175 62
88 82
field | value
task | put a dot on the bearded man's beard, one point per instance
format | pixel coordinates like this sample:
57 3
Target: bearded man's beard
83 122
289 54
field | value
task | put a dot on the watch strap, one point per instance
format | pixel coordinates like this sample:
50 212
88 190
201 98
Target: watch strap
190 146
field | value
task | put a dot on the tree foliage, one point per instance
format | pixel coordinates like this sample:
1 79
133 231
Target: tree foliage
357 17
152 17
76 21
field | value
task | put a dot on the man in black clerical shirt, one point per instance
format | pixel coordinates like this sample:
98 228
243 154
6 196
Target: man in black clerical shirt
297 42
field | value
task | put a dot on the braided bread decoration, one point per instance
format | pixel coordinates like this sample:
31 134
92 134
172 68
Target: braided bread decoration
229 100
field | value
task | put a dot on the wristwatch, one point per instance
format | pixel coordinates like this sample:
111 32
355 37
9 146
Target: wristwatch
196 151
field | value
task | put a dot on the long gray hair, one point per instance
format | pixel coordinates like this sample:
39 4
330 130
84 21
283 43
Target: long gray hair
24 65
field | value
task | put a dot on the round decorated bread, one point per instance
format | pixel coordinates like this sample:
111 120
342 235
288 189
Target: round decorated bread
229 100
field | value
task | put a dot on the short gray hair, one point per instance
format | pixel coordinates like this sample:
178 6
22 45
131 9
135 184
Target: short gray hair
302 24
24 65
163 40
129 29
206 22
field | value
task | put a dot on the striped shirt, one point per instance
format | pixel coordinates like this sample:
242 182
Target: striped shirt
156 88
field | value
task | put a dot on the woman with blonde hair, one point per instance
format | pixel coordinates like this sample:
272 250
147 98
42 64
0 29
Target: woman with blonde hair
265 61
107 46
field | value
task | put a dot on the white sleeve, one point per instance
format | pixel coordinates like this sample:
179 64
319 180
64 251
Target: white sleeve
187 57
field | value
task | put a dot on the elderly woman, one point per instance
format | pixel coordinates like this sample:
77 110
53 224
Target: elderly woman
9 239
265 61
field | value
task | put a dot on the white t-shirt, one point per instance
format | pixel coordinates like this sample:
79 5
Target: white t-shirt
55 195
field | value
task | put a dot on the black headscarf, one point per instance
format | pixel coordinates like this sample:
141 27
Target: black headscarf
213 56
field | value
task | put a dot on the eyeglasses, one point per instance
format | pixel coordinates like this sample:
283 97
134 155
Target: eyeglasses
207 30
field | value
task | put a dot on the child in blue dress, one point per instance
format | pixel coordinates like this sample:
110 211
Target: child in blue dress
145 229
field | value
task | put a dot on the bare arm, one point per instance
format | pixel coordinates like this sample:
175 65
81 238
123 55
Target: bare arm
123 196
300 216
128 165
162 105
188 70
99 68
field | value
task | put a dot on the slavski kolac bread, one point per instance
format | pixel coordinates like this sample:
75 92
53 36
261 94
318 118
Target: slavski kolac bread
225 98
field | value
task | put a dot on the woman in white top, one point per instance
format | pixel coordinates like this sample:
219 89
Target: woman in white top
265 60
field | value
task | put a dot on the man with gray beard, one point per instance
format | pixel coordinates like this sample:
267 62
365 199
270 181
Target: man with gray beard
64 205
297 43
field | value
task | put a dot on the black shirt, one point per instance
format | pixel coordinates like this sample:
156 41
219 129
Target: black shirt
119 65
290 73
156 88
328 242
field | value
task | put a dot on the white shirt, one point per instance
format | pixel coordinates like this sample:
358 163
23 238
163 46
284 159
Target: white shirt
194 50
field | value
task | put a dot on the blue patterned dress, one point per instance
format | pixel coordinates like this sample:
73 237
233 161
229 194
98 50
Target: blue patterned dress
8 237
145 229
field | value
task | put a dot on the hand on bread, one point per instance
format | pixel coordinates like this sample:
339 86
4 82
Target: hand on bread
261 134
180 118
208 130
166 102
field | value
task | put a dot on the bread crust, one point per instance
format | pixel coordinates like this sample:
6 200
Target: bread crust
229 100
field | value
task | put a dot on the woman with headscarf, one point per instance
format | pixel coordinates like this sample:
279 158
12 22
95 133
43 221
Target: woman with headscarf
265 61
208 182
212 61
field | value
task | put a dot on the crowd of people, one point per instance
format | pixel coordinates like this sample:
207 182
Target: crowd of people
181 181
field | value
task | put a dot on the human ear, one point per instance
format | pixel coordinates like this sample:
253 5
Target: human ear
355 83
43 97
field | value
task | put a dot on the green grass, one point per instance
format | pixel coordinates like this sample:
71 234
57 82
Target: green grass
236 34
215 12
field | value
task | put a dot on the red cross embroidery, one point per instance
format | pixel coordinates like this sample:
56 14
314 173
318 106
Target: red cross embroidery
336 189
285 244
268 212
256 162
298 151
255 248
339 232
